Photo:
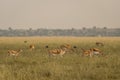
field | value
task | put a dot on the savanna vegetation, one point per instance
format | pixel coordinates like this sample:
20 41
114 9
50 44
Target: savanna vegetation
37 65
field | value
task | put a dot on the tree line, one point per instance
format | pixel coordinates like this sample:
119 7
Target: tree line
61 32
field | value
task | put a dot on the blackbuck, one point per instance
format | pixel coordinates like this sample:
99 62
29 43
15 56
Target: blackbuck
68 47
91 52
99 44
86 52
14 52
60 52
96 51
32 47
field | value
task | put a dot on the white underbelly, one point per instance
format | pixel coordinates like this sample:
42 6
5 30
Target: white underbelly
96 53
13 54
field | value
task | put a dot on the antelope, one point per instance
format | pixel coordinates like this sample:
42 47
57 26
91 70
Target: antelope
32 47
14 52
55 52
91 52
67 46
99 44
96 51
86 52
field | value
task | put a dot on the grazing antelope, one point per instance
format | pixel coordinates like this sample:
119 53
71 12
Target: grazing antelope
55 52
99 43
32 47
14 52
67 46
91 52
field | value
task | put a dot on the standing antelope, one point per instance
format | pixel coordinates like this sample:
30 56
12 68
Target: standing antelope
55 52
14 52
32 47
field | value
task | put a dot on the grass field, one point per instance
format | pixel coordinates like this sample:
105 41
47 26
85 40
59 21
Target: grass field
37 65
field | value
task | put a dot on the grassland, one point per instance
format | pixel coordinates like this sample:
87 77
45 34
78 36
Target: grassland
37 65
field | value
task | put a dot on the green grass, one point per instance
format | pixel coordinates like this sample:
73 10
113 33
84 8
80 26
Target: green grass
37 65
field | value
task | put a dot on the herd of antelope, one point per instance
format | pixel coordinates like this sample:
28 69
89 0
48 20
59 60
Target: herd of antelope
62 50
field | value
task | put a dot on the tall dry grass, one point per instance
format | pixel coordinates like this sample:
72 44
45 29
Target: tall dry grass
37 65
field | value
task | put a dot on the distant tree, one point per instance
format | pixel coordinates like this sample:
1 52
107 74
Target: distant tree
30 29
10 29
73 29
84 31
94 27
50 33
104 27
105 31
84 28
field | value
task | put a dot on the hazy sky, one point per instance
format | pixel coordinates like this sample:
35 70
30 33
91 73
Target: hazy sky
59 13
